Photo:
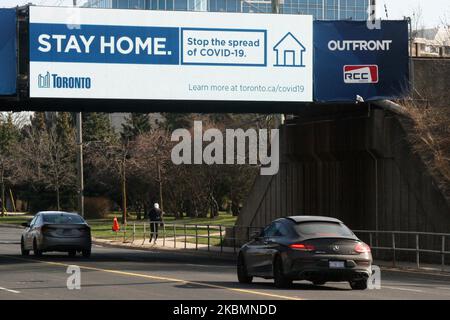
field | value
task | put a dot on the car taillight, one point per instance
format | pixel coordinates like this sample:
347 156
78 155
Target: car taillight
361 247
302 247
45 230
84 230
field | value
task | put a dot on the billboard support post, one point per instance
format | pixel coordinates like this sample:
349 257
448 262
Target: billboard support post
411 65
79 124
80 177
279 118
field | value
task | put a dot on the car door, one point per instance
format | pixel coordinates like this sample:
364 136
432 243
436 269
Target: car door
28 237
257 252
36 230
271 246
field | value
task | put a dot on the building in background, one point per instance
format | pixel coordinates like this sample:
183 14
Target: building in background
433 42
319 9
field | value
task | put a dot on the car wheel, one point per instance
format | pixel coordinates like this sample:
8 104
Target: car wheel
36 251
22 248
72 253
279 278
242 274
359 284
86 253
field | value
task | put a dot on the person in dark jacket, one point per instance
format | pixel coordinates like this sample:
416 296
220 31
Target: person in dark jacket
155 216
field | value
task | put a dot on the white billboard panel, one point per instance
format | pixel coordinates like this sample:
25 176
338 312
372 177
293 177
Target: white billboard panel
166 55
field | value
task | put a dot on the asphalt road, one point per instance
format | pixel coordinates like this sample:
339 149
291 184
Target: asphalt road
113 273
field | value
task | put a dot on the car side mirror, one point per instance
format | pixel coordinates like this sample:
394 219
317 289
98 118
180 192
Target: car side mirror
255 235
25 224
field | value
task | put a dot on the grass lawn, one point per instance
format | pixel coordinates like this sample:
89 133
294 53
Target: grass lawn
101 228
15 219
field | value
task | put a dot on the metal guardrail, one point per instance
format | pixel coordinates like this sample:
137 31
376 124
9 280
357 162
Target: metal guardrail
395 236
220 238
215 237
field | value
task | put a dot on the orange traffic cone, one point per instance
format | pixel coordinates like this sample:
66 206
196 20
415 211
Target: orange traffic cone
116 226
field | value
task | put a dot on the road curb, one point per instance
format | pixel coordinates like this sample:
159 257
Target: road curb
190 252
15 226
417 271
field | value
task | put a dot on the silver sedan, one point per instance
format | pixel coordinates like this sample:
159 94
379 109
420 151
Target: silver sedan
56 231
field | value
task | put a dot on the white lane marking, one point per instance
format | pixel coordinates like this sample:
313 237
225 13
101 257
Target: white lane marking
9 290
443 288
402 289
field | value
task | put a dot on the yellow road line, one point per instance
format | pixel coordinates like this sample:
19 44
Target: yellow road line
140 275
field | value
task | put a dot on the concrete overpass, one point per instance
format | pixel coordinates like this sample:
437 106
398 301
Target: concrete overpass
356 166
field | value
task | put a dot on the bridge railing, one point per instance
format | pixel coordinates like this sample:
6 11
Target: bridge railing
393 246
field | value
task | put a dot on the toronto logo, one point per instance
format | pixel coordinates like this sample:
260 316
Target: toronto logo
44 80
53 80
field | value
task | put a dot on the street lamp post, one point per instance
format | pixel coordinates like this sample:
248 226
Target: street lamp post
124 191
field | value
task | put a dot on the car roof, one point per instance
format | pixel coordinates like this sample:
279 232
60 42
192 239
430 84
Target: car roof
300 219
57 212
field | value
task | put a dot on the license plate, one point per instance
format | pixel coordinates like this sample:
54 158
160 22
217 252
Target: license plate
336 264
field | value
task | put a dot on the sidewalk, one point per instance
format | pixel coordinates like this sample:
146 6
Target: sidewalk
170 245
411 266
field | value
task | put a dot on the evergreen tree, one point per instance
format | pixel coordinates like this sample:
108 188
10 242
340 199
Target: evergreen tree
174 121
38 121
97 127
136 124
64 128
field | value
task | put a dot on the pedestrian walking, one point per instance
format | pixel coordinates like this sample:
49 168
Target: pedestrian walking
155 216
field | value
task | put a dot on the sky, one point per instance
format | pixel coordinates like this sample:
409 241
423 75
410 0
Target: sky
433 12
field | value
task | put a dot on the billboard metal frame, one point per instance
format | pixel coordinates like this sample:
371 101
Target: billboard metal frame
22 101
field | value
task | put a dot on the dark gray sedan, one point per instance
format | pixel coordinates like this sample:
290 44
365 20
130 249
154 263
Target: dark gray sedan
317 249
56 231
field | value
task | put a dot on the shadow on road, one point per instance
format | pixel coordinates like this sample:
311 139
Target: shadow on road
131 256
258 286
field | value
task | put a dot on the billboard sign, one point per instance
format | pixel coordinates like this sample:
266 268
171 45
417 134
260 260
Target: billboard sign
8 63
351 60
144 54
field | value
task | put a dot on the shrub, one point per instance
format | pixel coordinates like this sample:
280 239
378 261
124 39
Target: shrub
96 207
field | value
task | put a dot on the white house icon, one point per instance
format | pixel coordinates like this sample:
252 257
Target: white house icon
289 52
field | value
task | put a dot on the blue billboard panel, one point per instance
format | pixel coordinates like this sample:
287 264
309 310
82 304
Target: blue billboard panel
8 73
103 44
352 60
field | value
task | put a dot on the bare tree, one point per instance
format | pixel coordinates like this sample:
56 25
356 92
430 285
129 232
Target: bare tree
430 137
9 135
47 157
110 162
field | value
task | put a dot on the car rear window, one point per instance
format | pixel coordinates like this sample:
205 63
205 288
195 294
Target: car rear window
322 229
62 218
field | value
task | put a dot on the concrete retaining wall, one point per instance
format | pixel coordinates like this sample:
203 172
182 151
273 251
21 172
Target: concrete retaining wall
329 168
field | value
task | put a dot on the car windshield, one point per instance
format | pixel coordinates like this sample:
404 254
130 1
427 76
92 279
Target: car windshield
62 218
322 229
